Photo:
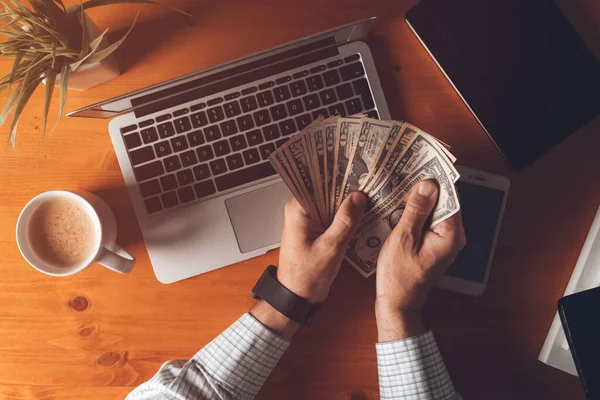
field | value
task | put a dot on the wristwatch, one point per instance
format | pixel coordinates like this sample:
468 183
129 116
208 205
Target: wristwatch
269 289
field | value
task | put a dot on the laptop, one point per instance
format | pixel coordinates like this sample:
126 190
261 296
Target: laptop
194 150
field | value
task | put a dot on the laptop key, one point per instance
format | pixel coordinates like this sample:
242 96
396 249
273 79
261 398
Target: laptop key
149 135
150 188
162 148
249 90
334 63
302 121
201 172
195 138
320 113
232 109
254 137
352 71
300 74
281 142
204 189
169 199
153 205
287 127
168 182
179 143
318 68
311 101
351 58
234 161
163 117
205 153
218 167
282 93
278 112
248 103
199 119
353 106
197 106
229 128
128 128
238 142
328 96
266 150
185 177
314 83
266 85
182 124
172 163
344 91
337 109
283 79
142 155
271 132
232 95
132 140
212 133
261 117
265 98
188 158
180 112
148 171
221 148
331 77
186 194
246 175
251 156
295 107
298 88
245 122
148 122
165 130
215 114
361 87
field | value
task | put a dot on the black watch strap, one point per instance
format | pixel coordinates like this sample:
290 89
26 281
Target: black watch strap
269 289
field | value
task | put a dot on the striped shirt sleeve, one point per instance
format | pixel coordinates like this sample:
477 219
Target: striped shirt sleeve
412 368
234 365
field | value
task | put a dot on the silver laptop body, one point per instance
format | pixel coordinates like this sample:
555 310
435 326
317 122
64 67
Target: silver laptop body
193 150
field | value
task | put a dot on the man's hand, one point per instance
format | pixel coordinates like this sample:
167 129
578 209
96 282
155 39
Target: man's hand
310 255
411 261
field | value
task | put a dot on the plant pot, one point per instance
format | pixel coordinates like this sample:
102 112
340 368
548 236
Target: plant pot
90 75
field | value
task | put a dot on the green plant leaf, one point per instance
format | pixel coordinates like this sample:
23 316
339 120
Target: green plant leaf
102 54
64 84
24 97
93 47
15 66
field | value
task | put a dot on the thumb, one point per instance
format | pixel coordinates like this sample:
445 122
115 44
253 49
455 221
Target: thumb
420 202
346 220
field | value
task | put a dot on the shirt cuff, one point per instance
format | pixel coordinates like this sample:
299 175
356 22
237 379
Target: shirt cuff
244 355
413 368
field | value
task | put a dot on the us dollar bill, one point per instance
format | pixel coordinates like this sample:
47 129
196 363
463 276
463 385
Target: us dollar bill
347 134
280 164
317 150
418 151
379 222
394 133
372 136
329 131
296 152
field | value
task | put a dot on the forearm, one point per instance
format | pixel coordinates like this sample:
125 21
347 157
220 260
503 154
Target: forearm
408 359
234 365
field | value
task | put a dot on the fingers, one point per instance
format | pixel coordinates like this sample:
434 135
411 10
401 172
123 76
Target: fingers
346 220
452 230
420 203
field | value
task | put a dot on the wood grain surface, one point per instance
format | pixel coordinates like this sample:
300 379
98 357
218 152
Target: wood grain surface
98 334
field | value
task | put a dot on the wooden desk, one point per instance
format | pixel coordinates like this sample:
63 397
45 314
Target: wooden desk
98 334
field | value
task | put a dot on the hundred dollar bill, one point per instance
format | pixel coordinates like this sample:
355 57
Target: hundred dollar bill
347 133
394 133
329 130
379 222
296 152
280 164
372 136
315 137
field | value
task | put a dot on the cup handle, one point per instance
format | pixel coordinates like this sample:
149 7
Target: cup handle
118 259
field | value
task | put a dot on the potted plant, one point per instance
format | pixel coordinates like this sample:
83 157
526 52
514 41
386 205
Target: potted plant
55 45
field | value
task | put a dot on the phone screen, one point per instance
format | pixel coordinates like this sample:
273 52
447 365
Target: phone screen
480 207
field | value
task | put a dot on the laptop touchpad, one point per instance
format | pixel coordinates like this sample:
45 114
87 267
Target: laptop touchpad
257 216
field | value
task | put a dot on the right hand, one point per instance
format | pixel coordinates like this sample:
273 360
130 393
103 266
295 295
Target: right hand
411 261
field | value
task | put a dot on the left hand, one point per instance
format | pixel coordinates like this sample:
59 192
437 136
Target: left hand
310 255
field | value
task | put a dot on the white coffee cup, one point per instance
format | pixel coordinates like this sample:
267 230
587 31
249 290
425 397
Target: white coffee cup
105 252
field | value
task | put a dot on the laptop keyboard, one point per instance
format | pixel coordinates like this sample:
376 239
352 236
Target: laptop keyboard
215 146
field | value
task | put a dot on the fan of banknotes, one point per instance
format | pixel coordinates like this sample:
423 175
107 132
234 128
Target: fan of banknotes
332 157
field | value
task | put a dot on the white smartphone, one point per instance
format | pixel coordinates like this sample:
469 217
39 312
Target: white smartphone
482 199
